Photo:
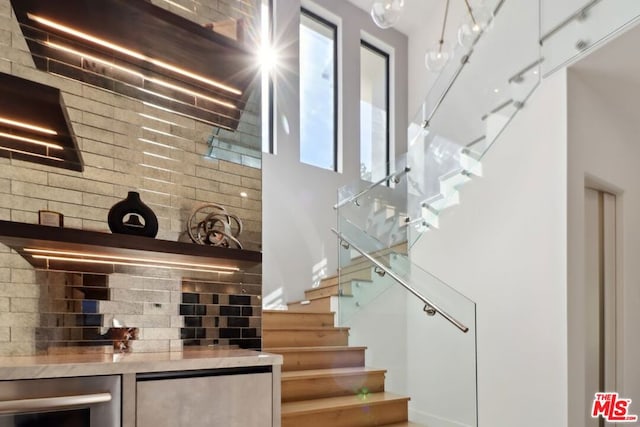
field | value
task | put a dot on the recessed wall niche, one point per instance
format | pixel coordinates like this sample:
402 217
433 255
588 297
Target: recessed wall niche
127 144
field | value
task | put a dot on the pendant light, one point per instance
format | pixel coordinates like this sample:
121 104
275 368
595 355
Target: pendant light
437 57
480 19
386 13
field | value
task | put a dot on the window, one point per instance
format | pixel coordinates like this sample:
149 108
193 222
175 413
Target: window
374 113
318 91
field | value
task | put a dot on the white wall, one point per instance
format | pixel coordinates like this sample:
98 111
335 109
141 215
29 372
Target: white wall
298 199
604 124
505 248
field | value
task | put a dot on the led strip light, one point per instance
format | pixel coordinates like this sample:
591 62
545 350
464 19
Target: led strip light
159 82
27 126
89 258
123 50
31 140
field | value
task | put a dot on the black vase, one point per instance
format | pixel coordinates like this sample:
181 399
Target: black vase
136 210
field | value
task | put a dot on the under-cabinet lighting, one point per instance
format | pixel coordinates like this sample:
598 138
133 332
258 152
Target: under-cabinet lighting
190 92
31 140
27 153
139 75
132 53
131 261
128 264
27 126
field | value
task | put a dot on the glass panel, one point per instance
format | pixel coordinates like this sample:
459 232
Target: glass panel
374 112
459 121
317 79
584 29
383 315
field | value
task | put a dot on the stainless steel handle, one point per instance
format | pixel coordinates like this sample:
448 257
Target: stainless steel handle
42 404
429 306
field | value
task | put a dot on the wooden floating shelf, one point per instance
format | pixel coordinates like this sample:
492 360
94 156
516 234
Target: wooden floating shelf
50 248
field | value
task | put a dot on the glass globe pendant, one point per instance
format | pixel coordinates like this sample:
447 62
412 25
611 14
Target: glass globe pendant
386 13
438 56
480 20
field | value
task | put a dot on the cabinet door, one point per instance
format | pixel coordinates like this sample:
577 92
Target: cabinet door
225 401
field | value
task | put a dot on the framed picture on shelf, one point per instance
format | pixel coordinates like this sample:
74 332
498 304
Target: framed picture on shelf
51 218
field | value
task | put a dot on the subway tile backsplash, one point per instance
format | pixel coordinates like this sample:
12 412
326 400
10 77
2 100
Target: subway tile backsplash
126 145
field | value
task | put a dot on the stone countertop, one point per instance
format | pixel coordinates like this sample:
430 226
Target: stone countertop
77 365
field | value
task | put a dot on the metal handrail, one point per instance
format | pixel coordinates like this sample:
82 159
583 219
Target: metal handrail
429 306
392 176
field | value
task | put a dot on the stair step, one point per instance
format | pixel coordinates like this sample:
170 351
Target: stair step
404 424
317 305
321 383
324 357
372 409
274 319
302 337
360 260
343 290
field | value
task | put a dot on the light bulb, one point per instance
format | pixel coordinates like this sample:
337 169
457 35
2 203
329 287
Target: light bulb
438 56
482 21
386 13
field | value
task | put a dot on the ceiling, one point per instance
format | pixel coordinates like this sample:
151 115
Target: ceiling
416 12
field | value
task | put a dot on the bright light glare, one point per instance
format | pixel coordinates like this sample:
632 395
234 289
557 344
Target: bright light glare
267 57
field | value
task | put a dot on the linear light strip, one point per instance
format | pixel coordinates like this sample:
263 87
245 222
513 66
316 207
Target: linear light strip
169 110
31 141
159 156
139 75
117 48
130 264
122 258
148 141
42 156
27 126
144 165
150 117
179 6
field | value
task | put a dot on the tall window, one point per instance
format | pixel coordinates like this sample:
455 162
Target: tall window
374 112
318 91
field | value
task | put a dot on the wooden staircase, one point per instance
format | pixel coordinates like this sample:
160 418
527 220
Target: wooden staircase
324 381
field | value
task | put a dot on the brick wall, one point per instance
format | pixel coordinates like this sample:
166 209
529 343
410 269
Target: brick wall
126 146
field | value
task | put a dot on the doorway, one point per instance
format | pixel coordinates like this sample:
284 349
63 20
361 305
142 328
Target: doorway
600 292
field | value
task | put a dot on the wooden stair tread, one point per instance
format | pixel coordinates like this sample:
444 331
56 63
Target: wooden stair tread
332 372
307 328
336 403
275 350
298 312
405 424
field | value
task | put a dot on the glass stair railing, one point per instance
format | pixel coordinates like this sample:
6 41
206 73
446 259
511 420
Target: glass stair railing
404 316
567 38
471 103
